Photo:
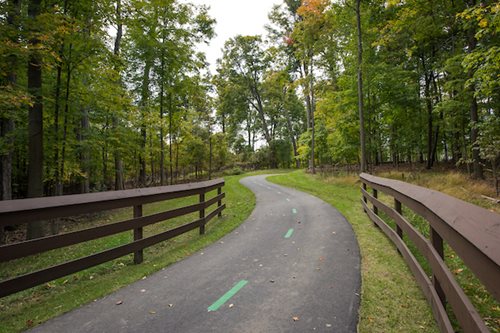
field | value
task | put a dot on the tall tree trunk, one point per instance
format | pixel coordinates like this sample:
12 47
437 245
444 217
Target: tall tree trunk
7 123
474 116
176 160
35 118
210 156
144 103
162 143
152 160
306 73
429 106
6 129
312 166
119 178
437 94
57 176
170 134
360 89
292 138
84 151
59 187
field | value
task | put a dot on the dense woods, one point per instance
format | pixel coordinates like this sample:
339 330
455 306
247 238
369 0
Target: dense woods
113 94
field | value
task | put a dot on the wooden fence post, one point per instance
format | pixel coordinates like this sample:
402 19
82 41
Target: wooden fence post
397 206
437 243
138 255
399 209
219 203
364 198
202 214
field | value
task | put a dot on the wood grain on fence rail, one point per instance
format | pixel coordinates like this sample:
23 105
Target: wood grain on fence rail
31 210
472 232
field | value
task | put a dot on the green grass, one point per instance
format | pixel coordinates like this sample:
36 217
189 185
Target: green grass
36 305
391 300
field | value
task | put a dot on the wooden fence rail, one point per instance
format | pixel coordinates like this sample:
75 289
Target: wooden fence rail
472 232
32 210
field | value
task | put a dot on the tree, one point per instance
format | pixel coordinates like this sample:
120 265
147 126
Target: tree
362 140
9 81
35 145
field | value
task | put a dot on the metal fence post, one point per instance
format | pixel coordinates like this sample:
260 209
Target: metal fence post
138 255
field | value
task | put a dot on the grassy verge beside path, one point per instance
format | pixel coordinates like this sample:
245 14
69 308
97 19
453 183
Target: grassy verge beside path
391 300
34 306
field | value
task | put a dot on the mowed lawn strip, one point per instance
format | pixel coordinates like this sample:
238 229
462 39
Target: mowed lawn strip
391 300
29 308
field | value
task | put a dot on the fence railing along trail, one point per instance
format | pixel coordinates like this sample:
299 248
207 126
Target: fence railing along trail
16 212
472 232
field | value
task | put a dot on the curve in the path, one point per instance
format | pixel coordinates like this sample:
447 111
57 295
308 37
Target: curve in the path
293 266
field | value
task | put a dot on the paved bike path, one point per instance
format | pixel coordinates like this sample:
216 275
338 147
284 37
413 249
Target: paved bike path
293 266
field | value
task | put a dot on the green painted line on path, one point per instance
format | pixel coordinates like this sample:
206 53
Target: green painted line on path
294 211
220 302
289 233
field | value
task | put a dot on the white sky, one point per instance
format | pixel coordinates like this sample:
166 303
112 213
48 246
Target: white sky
234 17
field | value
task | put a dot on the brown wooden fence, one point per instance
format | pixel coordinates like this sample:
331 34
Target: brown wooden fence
31 210
472 232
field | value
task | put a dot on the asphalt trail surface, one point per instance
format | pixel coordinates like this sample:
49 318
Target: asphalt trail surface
293 266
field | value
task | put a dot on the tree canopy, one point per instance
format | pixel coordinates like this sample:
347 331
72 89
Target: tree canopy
110 94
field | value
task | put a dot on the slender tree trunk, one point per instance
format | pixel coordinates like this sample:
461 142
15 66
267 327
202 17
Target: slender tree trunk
152 160
312 166
162 144
57 177
35 117
170 134
360 89
210 156
144 103
85 152
176 160
104 154
59 186
429 106
474 115
7 123
6 129
119 178
292 138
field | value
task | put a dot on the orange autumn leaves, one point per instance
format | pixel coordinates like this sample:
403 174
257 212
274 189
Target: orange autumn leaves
310 9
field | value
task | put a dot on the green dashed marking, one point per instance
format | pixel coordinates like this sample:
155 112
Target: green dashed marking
294 211
289 233
220 302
